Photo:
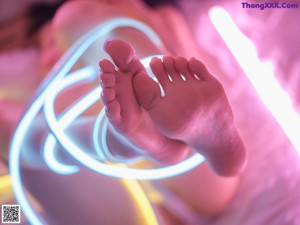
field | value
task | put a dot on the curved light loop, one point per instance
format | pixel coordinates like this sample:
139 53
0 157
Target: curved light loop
100 167
49 152
55 77
85 159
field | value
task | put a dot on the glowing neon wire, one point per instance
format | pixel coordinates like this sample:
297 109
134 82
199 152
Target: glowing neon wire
140 198
14 160
101 126
100 144
56 74
75 151
59 71
93 164
100 167
49 152
102 151
260 74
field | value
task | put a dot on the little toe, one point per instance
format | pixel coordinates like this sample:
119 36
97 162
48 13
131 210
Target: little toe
107 80
182 66
107 95
199 69
113 112
106 66
159 71
169 65
124 56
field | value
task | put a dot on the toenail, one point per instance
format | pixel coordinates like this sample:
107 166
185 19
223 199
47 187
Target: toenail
107 42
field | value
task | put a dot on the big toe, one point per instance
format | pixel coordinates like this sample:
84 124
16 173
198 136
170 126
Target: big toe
123 55
147 91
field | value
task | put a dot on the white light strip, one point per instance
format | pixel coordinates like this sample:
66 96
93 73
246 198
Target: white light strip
95 165
55 88
100 144
59 71
101 152
49 153
260 74
14 160
101 126
85 159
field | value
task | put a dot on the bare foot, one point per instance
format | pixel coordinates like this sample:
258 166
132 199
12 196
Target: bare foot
123 111
194 109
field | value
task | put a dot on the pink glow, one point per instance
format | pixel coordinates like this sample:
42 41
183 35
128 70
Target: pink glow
260 74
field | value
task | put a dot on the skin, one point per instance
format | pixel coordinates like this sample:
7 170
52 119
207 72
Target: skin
194 110
125 114
76 18
125 105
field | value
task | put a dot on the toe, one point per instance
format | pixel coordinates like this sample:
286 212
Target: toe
107 80
182 66
123 55
198 68
106 66
147 91
159 72
169 65
113 112
108 95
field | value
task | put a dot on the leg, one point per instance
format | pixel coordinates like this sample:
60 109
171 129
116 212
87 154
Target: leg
195 110
123 111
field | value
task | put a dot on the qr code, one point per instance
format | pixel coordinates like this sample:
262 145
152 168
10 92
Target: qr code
11 214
